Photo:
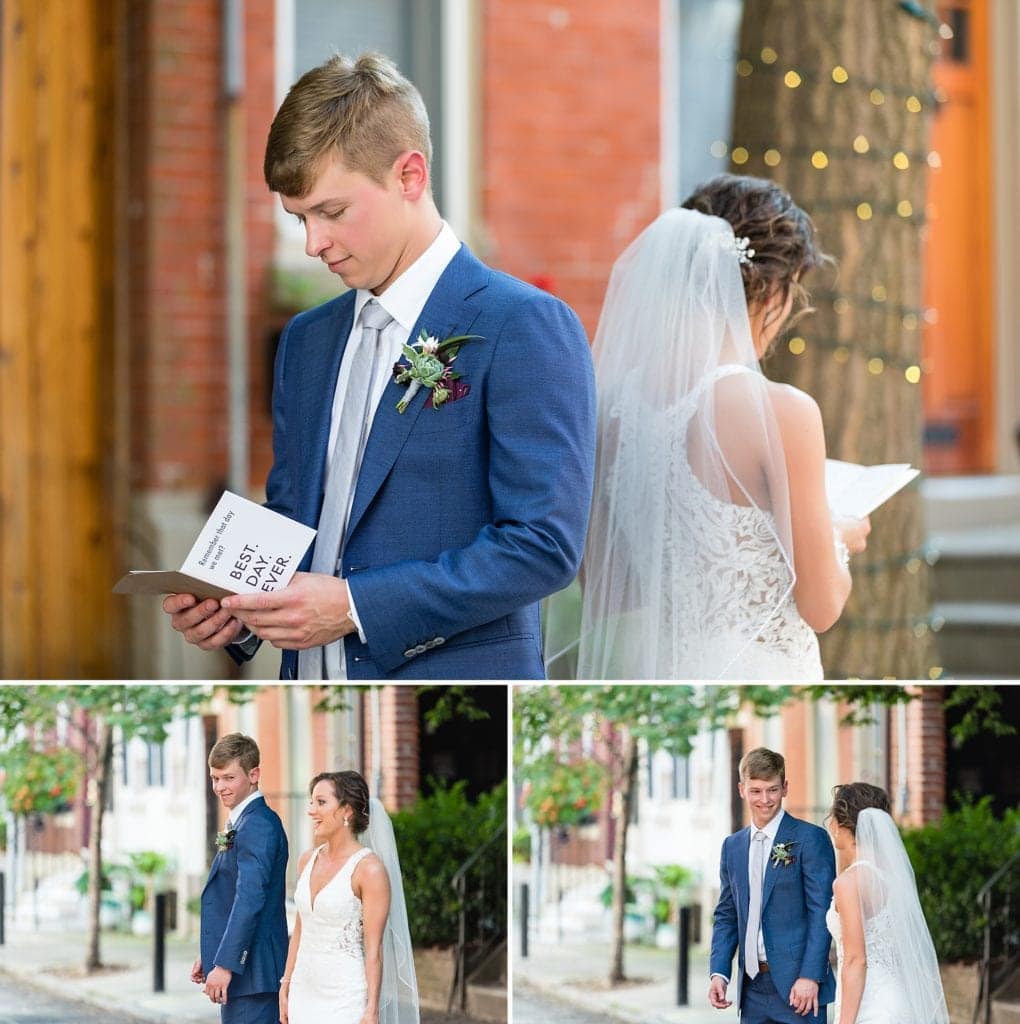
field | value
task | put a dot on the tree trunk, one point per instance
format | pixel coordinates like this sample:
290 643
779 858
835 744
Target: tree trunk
860 354
626 792
102 780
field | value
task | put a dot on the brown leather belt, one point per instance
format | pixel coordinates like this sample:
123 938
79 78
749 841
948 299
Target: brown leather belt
763 968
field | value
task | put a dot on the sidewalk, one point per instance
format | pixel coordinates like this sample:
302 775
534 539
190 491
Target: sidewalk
53 961
576 973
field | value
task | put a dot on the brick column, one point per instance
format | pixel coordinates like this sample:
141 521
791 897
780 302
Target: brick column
398 744
926 756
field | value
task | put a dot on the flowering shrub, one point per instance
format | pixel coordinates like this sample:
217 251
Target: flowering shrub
40 782
563 794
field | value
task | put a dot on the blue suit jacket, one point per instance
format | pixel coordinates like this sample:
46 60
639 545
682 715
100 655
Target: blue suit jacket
465 516
795 899
244 920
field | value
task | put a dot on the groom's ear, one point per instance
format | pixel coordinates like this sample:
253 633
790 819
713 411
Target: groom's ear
254 775
413 174
786 786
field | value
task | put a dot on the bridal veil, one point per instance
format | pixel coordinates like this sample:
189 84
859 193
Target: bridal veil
690 464
887 891
398 999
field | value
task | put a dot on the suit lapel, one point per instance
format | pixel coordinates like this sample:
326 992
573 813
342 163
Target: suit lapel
741 848
447 311
787 828
316 368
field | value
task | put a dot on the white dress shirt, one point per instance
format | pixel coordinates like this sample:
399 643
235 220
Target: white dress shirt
404 300
235 815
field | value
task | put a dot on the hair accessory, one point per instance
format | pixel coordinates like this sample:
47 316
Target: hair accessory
743 250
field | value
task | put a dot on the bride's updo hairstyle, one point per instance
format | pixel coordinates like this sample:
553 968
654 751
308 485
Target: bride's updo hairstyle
781 234
851 798
349 788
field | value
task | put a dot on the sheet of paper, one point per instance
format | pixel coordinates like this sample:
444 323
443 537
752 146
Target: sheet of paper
243 547
854 490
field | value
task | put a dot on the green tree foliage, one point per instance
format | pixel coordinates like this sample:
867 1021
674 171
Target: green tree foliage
952 859
434 837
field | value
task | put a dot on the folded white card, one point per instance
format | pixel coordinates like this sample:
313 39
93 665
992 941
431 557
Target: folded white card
854 490
243 548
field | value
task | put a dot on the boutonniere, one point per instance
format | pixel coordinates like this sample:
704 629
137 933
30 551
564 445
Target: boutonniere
782 855
429 364
225 840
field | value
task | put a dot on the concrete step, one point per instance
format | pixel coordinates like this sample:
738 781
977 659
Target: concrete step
1005 1013
968 502
978 638
487 1002
977 565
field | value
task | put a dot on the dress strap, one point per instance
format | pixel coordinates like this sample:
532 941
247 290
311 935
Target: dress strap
356 858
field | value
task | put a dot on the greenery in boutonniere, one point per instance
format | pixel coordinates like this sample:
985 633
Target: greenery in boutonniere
429 364
225 840
782 854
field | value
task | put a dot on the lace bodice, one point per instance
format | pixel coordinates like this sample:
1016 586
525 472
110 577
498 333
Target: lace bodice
329 982
728 608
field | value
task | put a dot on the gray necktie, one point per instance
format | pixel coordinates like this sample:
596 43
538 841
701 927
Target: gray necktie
755 884
342 476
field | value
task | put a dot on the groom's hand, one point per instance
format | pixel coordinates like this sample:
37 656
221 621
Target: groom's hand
804 997
310 611
216 985
197 974
717 993
203 623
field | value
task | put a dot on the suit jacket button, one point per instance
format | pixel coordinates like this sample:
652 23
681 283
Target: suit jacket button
439 640
420 649
409 653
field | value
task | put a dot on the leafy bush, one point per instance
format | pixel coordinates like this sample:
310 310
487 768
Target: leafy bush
562 794
952 859
40 782
434 837
522 845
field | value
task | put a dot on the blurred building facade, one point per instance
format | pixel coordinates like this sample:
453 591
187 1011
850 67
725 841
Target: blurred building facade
137 386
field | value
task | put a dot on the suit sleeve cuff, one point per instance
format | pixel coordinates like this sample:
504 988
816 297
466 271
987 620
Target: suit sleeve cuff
352 614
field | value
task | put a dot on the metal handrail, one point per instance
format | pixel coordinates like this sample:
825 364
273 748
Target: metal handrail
458 983
984 899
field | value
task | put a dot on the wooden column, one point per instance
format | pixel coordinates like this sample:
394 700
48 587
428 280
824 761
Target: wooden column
57 189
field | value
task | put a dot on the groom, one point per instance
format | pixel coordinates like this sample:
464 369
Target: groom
244 921
775 885
443 524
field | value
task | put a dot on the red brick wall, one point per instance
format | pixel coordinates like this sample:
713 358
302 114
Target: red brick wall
926 756
175 232
399 745
181 399
570 138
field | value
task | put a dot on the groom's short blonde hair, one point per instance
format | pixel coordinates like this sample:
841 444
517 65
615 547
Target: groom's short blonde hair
364 111
235 746
762 763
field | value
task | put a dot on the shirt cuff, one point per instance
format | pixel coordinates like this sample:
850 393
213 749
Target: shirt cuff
716 974
352 614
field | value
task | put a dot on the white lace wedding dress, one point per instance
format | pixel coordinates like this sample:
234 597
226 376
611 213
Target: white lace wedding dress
741 621
883 1000
328 982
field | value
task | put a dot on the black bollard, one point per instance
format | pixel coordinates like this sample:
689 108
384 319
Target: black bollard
159 949
524 920
683 957
3 905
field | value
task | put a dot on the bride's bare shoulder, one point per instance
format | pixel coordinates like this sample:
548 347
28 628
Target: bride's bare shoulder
304 859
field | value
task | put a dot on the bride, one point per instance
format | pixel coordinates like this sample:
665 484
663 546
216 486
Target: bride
887 969
350 958
709 489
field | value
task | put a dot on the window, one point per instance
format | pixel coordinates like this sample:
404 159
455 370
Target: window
415 34
701 70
